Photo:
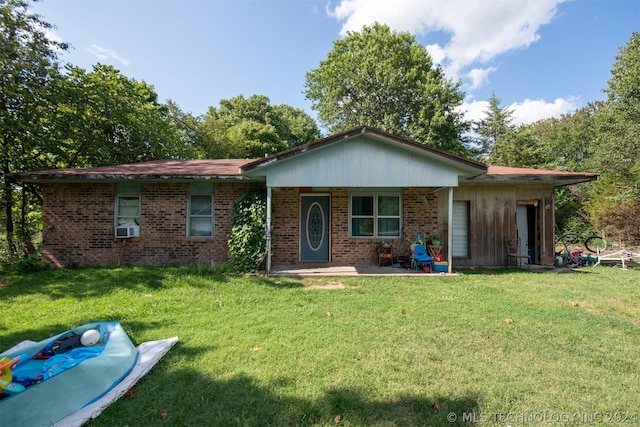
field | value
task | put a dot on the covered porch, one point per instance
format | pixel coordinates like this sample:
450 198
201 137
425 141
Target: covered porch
333 200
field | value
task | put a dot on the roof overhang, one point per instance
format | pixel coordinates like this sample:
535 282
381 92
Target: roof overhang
152 171
511 175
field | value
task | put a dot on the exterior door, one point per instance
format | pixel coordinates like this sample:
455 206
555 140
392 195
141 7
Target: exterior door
522 224
528 227
314 228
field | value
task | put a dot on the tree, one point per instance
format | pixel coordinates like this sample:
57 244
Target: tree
619 122
186 125
106 118
519 148
387 80
496 124
615 203
252 127
28 67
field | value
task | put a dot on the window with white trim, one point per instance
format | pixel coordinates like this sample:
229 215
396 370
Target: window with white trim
200 210
375 215
127 216
127 210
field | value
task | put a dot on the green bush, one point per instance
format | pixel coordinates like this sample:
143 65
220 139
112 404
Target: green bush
30 264
247 243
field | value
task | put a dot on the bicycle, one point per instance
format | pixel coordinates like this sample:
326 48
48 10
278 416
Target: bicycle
593 243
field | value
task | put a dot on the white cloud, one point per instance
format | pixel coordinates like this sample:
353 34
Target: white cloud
479 30
474 110
106 54
531 110
437 53
527 111
479 76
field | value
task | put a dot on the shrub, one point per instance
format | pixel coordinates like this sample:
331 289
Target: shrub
30 264
247 243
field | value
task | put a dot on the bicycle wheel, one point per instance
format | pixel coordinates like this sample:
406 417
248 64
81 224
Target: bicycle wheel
595 244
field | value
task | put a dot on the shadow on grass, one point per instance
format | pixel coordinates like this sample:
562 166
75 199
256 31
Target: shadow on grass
186 397
82 282
98 281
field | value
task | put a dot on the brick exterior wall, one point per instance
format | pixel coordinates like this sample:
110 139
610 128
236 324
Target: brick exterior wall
420 215
81 220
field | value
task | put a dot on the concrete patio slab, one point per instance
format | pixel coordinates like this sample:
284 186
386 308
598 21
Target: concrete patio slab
348 270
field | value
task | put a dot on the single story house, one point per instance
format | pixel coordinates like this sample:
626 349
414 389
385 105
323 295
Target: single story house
330 201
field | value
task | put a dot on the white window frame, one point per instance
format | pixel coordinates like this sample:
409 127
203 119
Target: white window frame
375 217
126 220
121 220
191 216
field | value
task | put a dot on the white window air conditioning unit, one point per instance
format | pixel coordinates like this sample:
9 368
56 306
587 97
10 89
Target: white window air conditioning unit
124 232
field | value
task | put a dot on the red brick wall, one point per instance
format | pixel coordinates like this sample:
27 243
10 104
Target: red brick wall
82 217
420 215
285 209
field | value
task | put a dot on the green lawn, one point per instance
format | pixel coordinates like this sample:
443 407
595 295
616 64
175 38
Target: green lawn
356 351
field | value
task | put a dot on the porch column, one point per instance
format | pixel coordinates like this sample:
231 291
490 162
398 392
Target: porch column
450 233
267 230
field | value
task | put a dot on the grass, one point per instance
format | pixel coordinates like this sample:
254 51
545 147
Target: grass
499 348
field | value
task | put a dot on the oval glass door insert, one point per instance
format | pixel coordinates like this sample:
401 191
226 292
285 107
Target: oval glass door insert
315 226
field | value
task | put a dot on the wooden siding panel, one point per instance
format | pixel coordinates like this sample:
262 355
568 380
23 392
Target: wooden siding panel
492 217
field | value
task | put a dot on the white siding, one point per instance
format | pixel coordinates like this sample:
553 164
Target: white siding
362 162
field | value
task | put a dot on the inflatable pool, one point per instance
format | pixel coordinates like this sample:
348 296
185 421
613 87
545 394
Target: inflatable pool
58 376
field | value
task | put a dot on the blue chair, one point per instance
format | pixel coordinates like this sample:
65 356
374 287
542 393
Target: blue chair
420 257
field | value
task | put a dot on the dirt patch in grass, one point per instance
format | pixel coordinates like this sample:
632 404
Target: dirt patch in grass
326 286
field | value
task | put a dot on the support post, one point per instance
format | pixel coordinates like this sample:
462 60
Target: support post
267 231
450 233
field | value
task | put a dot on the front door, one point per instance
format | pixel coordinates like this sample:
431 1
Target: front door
314 228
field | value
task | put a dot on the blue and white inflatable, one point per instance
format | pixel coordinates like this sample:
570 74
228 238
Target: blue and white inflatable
65 373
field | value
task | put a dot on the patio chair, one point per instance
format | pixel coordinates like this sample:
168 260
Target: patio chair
513 248
419 258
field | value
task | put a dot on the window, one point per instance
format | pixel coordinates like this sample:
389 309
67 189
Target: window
200 210
375 215
128 210
127 217
460 225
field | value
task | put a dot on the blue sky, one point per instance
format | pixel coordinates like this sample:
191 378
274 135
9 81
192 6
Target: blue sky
542 58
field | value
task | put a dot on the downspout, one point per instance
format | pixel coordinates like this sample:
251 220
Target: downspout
267 230
450 233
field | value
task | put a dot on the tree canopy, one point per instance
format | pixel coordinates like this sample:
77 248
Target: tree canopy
496 124
28 69
252 127
615 205
387 80
603 137
106 118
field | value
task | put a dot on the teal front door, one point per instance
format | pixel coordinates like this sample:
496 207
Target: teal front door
314 228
